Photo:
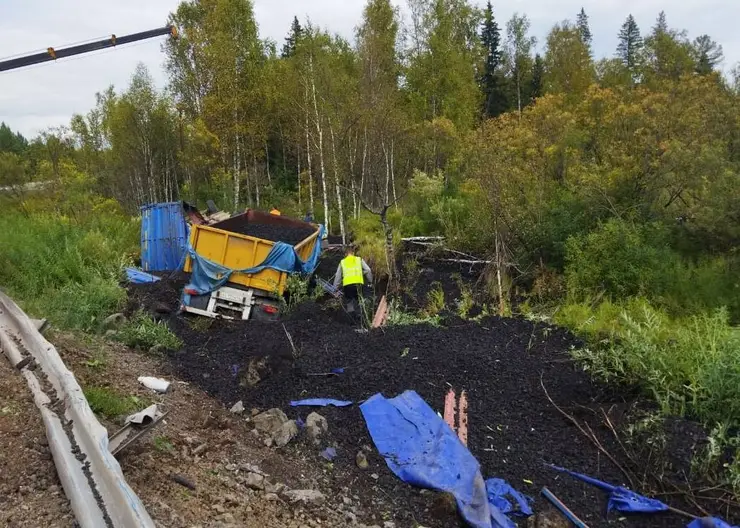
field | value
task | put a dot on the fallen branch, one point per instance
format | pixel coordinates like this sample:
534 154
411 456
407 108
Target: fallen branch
591 436
290 340
422 239
462 261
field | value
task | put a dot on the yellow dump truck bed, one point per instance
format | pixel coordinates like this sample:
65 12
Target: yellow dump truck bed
224 244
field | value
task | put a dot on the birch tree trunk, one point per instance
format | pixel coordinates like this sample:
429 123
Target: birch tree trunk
237 171
256 178
299 176
393 176
336 185
320 146
362 175
267 164
308 155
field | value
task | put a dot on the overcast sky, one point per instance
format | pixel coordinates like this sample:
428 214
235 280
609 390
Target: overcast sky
35 98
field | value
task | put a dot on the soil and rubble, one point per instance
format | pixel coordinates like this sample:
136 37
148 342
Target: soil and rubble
503 365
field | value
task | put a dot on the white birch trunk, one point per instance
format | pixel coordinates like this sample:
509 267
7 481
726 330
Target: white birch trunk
237 175
336 185
308 155
267 164
362 175
320 133
299 176
393 176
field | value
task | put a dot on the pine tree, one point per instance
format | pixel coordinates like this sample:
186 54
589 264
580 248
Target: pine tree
296 31
708 54
661 24
584 29
630 45
492 82
536 85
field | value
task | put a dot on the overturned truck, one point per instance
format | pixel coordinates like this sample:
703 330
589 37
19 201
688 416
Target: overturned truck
239 267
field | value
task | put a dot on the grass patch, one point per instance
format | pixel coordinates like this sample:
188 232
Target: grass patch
110 403
142 332
435 300
66 269
163 444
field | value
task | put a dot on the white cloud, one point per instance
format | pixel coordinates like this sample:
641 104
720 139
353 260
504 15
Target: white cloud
49 94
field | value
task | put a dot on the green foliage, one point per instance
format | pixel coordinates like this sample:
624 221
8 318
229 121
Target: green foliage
143 332
691 366
66 269
297 291
435 300
398 316
110 403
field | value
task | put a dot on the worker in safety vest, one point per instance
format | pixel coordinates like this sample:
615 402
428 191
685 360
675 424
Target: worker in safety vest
275 211
351 274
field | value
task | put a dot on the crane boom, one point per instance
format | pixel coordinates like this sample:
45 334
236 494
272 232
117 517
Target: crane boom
52 54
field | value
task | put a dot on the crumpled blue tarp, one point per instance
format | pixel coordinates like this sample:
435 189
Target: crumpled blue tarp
620 499
320 402
422 450
499 491
208 276
136 276
709 522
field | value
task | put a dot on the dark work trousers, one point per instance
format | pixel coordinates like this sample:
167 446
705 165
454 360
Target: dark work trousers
352 294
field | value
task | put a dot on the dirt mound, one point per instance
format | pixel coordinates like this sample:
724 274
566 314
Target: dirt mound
275 233
514 429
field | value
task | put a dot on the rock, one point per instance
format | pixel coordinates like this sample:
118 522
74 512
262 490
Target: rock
114 321
389 524
257 370
271 497
305 496
361 460
316 426
375 476
200 449
238 407
157 350
351 517
254 481
287 432
278 487
218 508
270 421
268 442
547 519
110 334
346 500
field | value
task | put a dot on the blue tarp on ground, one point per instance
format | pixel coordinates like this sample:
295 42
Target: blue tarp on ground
136 276
620 499
164 236
208 276
422 450
320 402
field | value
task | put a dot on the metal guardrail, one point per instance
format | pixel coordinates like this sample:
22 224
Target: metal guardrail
91 477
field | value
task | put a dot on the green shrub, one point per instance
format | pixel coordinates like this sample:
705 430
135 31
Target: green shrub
690 365
142 332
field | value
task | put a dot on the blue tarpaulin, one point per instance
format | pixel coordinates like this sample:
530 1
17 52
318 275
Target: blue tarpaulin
208 276
320 402
620 499
422 450
164 236
499 492
709 522
136 276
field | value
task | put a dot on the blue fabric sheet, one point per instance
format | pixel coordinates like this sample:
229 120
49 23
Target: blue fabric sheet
709 522
422 450
320 402
499 492
620 499
208 276
136 276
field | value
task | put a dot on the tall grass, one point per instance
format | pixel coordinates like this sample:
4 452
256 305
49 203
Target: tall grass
66 270
690 365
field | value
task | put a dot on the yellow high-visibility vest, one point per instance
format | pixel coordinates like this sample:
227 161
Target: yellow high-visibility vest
352 271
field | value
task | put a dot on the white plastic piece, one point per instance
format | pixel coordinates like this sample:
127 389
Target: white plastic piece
92 479
146 416
156 384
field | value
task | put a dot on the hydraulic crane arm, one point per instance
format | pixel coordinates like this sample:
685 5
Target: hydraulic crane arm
52 54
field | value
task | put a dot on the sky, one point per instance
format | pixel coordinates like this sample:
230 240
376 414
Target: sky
35 98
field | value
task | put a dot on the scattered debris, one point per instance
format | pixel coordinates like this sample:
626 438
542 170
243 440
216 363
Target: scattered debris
155 384
254 481
270 421
305 496
329 454
113 321
200 449
287 432
183 481
361 460
316 426
238 407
